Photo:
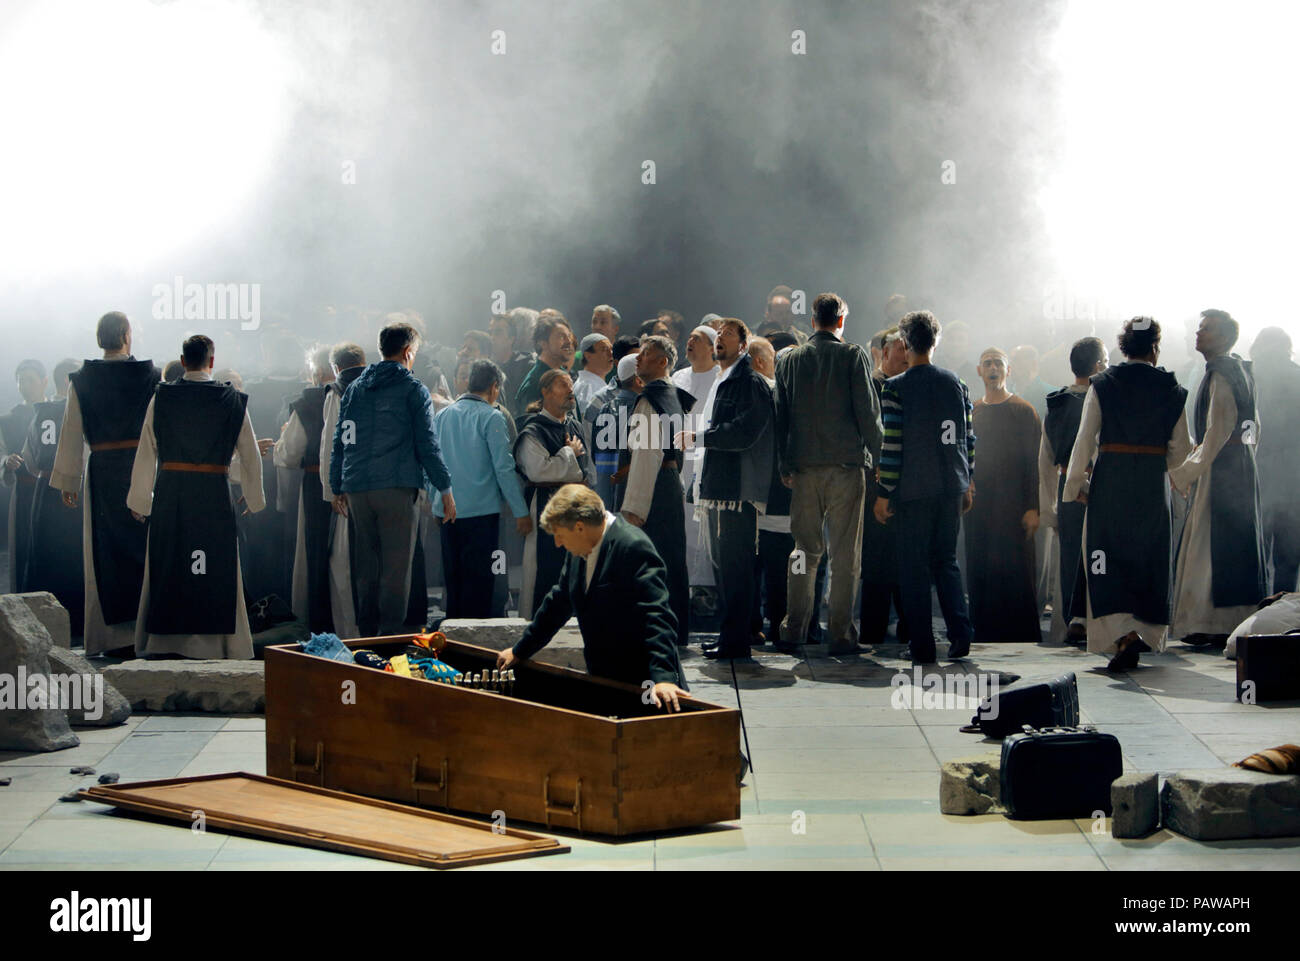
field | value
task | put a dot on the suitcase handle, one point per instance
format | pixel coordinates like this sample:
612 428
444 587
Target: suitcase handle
1080 729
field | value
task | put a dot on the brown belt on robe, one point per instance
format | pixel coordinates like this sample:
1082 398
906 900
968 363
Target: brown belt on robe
1132 449
196 468
117 445
620 476
553 485
312 468
26 478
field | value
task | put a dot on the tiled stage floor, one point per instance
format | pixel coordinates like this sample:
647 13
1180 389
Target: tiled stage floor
828 749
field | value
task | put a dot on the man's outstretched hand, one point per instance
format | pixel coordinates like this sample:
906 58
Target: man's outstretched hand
665 694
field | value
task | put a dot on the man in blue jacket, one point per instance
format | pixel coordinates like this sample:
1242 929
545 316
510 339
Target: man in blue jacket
477 442
384 448
927 467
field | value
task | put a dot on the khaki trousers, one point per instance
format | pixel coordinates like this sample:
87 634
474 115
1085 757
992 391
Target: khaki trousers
833 495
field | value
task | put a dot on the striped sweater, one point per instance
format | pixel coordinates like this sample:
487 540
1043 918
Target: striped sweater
891 451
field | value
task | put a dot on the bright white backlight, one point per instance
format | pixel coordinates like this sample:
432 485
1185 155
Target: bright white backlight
130 129
1177 190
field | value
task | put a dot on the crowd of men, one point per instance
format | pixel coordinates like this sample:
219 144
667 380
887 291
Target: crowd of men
777 472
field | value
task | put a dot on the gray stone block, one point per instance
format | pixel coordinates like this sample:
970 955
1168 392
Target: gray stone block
24 654
221 686
1231 802
1135 805
53 615
113 707
499 633
971 785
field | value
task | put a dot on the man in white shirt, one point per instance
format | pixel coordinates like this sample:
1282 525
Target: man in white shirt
597 362
698 380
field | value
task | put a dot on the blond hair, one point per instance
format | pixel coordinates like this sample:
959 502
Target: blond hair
569 505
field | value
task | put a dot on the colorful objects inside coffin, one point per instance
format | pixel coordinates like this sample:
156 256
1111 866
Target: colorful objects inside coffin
328 646
370 659
433 642
436 670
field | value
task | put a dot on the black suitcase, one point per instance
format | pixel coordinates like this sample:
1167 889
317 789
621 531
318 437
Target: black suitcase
1063 772
1268 667
1040 704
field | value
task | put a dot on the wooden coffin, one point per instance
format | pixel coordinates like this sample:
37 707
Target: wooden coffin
564 749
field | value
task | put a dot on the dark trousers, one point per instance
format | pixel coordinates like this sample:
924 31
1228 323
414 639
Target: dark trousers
1282 545
927 554
734 543
384 525
666 528
876 598
770 572
468 565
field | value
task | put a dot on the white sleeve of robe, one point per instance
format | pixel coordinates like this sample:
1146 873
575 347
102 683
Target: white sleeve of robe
140 497
1220 422
70 456
647 458
250 467
1048 477
7 477
1085 448
327 444
292 444
1180 443
542 468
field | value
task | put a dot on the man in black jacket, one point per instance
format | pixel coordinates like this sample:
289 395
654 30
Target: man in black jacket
615 584
827 422
737 468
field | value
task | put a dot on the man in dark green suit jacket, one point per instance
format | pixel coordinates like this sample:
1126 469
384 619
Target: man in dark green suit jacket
615 583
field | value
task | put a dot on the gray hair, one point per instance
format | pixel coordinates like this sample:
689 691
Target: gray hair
663 345
607 309
347 355
483 374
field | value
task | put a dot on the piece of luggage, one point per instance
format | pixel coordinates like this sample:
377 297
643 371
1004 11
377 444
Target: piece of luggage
1040 704
1268 667
1059 772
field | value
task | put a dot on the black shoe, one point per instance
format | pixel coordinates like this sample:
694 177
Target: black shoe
957 651
727 654
1127 659
908 653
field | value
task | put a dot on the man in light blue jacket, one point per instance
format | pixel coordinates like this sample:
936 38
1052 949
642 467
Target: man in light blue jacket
476 444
